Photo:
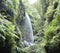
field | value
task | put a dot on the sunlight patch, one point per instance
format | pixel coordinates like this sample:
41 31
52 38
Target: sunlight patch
32 1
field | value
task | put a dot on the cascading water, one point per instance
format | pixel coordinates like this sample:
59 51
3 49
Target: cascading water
28 31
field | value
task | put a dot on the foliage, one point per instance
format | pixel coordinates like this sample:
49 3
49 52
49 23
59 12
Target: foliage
7 35
52 33
45 18
36 48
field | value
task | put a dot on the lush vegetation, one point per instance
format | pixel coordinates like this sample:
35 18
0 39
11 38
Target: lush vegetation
45 19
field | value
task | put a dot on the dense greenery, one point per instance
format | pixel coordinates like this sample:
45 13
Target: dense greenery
7 35
45 19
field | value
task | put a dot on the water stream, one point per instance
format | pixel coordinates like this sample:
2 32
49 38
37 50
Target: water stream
28 31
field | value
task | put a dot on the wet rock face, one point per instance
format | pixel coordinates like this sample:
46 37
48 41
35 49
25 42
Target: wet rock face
55 5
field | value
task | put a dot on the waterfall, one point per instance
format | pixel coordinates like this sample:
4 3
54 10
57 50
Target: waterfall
28 31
